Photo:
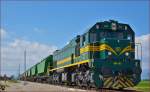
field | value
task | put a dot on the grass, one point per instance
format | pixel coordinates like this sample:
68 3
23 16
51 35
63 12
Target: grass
143 86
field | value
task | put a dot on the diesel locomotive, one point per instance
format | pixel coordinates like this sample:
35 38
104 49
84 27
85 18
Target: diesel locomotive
102 57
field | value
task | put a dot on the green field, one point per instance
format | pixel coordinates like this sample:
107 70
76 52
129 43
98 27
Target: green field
143 86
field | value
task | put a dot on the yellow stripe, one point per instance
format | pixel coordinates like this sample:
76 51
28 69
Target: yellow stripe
109 84
118 83
92 48
64 60
118 86
127 84
128 48
97 48
107 47
78 63
114 85
122 83
108 80
129 81
104 47
89 48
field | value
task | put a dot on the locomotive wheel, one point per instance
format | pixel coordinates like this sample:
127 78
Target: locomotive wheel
79 83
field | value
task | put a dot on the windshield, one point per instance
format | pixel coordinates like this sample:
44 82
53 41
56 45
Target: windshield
117 35
94 37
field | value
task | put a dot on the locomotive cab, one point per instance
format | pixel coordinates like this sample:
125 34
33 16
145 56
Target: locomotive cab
113 55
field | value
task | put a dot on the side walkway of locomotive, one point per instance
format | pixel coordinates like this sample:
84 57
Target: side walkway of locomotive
103 57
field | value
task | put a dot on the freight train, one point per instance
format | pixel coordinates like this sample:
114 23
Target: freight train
102 57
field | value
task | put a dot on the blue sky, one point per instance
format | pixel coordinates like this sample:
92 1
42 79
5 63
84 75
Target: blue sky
55 22
48 22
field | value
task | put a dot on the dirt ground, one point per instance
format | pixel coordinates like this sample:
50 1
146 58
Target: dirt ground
22 86
38 87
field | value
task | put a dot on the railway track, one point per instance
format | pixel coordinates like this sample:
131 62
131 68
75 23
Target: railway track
45 87
99 90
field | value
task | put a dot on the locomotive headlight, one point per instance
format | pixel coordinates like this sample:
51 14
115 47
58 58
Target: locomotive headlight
127 54
109 53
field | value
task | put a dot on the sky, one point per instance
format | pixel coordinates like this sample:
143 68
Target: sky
41 27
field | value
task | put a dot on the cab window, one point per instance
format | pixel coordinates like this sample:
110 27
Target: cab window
93 37
117 35
83 40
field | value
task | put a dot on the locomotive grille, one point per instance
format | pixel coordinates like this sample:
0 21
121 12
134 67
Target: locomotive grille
117 82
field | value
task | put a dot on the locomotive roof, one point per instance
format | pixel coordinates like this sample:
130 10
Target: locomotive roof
111 25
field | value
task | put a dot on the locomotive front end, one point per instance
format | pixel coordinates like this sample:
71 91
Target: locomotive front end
113 57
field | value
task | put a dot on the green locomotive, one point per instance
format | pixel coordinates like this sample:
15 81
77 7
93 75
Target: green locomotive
103 57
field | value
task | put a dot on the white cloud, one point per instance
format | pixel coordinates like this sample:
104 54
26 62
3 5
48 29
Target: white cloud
13 55
145 40
2 33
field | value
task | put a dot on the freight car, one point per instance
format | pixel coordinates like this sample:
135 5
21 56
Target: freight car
102 57
39 72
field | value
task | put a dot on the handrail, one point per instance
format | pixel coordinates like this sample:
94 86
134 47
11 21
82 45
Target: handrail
138 44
